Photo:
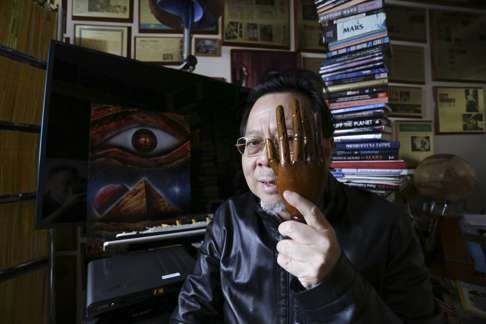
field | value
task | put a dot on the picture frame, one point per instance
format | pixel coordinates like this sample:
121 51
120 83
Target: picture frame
162 49
103 10
257 23
416 139
406 23
308 36
459 110
204 46
148 23
407 64
109 39
458 46
405 101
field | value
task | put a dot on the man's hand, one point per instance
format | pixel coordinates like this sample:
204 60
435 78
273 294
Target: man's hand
311 250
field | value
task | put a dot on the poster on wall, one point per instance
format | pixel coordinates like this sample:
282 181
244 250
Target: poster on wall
257 23
405 101
164 50
407 64
416 139
108 39
405 23
458 45
112 10
459 110
307 27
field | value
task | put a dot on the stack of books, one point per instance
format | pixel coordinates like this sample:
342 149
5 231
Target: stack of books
356 77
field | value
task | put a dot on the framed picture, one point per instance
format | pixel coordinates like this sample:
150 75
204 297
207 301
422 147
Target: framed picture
165 50
107 10
308 30
405 101
407 64
257 23
207 46
459 110
406 24
109 39
148 23
249 66
458 46
416 139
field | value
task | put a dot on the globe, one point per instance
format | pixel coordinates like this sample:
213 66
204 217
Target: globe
444 177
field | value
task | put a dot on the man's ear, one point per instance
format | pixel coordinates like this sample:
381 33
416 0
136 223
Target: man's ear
329 147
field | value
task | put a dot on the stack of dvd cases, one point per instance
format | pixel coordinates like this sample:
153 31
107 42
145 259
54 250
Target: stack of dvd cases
356 77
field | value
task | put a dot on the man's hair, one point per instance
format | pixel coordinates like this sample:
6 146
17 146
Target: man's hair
304 82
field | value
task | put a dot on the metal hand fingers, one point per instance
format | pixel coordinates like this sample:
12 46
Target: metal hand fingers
306 142
298 140
282 137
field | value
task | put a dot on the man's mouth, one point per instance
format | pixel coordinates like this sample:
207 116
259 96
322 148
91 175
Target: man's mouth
268 185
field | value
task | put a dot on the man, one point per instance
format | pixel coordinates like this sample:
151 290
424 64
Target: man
355 259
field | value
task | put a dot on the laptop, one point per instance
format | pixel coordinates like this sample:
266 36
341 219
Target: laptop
124 280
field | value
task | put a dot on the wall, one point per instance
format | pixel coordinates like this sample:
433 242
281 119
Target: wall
470 147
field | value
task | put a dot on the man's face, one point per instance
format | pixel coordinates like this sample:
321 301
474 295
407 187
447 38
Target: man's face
261 123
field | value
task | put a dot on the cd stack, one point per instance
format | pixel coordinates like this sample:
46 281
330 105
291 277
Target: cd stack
356 77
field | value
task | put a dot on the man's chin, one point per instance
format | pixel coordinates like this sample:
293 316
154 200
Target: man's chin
274 207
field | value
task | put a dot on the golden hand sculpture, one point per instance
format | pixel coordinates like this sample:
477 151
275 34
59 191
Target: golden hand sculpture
300 164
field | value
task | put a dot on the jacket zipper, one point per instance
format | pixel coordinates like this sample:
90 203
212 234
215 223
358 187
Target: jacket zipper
289 313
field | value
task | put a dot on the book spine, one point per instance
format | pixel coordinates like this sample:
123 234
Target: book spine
355 41
372 59
357 85
345 95
366 96
356 108
365 157
368 146
346 104
377 113
329 5
397 164
355 27
369 77
362 137
377 186
370 172
360 8
362 130
356 74
353 48
368 122
339 153
358 55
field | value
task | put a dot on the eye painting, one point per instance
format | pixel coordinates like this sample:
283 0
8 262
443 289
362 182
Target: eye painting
138 138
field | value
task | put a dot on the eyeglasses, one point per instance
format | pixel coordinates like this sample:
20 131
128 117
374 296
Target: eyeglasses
250 145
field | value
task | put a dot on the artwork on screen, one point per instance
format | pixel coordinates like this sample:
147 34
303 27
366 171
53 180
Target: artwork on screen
139 166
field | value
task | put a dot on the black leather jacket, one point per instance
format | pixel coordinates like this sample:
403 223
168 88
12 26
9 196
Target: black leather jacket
380 278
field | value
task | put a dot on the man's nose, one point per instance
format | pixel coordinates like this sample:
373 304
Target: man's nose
262 158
